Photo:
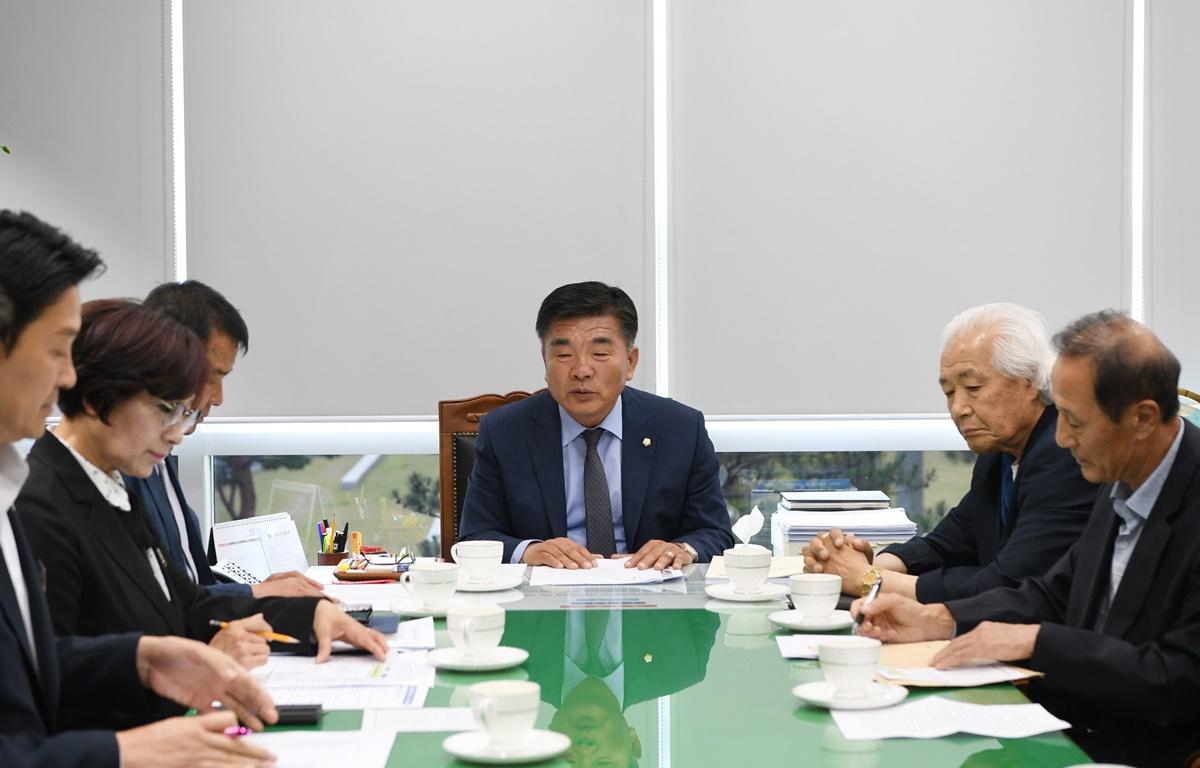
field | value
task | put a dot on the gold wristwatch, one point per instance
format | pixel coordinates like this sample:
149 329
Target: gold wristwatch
869 577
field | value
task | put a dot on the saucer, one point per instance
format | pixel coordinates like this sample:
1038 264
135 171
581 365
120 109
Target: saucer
501 657
795 620
878 695
475 747
495 585
767 592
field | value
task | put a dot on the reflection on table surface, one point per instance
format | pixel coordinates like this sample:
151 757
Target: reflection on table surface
692 682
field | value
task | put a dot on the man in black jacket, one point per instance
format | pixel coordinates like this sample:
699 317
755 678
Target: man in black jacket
1028 501
1115 624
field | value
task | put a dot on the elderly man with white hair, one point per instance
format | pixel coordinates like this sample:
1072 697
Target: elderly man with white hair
1028 501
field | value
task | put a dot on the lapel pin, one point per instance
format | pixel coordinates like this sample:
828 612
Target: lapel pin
646 441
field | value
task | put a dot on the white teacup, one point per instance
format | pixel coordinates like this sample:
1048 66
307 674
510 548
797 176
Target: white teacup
849 664
475 628
748 566
815 594
480 560
430 582
507 709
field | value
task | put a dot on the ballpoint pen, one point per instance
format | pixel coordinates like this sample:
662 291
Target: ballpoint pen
868 599
274 637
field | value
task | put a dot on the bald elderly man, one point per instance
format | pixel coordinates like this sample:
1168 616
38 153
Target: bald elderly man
1028 501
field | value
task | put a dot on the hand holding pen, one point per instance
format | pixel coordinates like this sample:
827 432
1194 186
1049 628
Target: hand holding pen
869 598
246 639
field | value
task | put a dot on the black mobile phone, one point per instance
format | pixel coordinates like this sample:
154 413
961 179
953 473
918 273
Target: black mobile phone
299 714
360 613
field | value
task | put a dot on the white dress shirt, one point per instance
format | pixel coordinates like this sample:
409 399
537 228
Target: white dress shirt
13 471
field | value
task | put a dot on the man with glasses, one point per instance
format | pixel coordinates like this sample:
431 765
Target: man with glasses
218 324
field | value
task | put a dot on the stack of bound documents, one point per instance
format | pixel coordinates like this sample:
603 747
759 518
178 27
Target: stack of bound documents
867 514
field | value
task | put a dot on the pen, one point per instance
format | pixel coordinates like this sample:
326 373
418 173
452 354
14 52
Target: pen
871 593
272 636
234 731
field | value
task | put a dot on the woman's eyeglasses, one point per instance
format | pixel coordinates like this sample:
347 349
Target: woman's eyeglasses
175 414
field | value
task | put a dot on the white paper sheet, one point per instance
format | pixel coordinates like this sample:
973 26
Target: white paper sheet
802 646
605 572
381 597
933 717
984 674
410 668
354 697
321 749
428 720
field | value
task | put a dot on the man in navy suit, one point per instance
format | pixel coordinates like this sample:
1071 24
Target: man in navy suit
217 323
42 675
593 468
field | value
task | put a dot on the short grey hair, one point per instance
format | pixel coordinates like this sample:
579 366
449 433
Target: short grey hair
1021 348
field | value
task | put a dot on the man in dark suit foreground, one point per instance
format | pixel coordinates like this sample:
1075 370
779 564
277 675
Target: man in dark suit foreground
41 674
1028 501
592 468
1115 624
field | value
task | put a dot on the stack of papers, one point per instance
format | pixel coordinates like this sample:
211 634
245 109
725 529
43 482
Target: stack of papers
605 572
908 664
876 525
933 717
833 500
349 682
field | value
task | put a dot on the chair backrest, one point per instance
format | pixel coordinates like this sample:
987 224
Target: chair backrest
458 425
1189 405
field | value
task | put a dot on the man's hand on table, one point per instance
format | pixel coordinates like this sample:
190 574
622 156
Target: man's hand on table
189 742
659 554
288 584
992 641
332 623
842 554
559 553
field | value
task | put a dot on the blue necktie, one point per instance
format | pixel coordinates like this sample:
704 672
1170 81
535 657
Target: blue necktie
1006 487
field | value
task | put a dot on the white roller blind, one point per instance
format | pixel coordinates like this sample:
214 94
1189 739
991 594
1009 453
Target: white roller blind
1173 175
848 176
387 190
82 97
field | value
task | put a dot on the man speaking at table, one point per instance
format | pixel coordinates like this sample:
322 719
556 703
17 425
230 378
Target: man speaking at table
592 468
1115 624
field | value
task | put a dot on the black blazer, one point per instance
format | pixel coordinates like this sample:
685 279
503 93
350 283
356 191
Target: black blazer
99 582
969 552
153 494
669 489
89 674
1133 689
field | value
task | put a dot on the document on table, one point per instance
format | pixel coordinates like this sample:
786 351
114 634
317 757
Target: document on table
321 749
802 646
781 567
933 717
908 664
428 720
381 596
354 697
414 635
410 668
605 572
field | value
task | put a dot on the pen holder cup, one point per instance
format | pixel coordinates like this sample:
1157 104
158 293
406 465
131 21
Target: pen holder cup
331 558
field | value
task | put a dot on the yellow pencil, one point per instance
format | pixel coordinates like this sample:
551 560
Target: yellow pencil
272 636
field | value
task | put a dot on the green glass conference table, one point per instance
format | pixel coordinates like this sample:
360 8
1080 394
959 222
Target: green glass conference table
683 680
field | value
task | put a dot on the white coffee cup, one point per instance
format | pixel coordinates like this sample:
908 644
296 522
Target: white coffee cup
849 664
480 560
430 582
506 709
748 566
815 595
475 628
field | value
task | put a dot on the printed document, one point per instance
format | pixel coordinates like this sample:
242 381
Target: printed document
933 717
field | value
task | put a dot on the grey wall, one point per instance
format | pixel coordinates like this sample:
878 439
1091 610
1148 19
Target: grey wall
82 100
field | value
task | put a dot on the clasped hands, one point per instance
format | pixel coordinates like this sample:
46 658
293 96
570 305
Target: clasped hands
842 554
565 553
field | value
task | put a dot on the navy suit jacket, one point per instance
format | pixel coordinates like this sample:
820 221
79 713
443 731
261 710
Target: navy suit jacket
970 551
1131 689
89 674
153 493
670 488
